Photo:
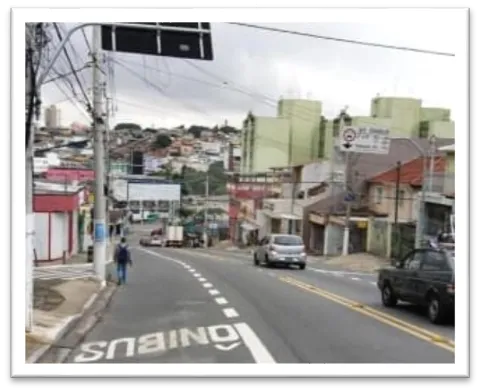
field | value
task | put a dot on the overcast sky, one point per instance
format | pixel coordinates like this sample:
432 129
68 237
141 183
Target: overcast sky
274 65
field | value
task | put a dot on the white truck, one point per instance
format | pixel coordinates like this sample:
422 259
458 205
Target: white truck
174 236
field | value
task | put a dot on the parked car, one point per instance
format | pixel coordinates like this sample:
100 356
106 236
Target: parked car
153 240
424 277
282 249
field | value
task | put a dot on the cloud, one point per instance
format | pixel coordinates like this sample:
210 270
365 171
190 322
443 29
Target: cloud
252 69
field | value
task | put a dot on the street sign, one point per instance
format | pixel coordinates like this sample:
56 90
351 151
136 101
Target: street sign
180 40
365 140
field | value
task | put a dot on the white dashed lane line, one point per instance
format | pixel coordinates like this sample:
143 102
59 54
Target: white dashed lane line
230 313
355 278
257 349
221 300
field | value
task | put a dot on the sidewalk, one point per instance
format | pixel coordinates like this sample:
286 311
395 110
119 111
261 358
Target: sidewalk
62 294
358 262
57 302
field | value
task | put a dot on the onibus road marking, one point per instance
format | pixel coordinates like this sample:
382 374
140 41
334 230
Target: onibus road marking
382 317
224 337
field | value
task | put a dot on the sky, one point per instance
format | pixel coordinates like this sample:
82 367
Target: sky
252 69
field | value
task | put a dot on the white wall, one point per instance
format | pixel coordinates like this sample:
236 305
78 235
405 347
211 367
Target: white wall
213 147
59 235
314 173
75 239
41 235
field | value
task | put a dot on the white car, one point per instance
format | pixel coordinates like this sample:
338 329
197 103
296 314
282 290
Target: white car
282 249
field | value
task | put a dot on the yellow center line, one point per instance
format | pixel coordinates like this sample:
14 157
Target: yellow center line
382 317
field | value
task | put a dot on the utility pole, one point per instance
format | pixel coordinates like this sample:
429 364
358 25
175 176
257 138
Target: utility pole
348 182
396 210
30 217
109 224
432 152
206 205
100 244
293 197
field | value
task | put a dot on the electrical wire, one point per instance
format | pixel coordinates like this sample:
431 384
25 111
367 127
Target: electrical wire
72 101
86 40
76 55
343 40
161 91
87 100
266 101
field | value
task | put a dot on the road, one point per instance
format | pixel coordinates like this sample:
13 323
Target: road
209 306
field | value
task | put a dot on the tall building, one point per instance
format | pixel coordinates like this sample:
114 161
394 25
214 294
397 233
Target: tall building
52 117
291 138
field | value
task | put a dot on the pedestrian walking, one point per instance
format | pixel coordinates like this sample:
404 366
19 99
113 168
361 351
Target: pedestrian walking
123 258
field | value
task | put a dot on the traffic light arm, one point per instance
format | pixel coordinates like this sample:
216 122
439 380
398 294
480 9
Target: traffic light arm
58 51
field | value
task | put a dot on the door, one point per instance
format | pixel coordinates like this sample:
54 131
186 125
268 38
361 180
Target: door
435 271
411 278
399 275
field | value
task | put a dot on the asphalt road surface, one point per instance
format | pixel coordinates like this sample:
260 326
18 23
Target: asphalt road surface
207 306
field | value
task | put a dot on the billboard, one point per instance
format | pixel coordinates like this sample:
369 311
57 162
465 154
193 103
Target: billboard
153 189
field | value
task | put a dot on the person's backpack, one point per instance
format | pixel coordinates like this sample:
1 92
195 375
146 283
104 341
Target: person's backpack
123 255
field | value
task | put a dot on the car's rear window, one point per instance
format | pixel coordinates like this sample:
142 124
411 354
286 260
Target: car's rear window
288 240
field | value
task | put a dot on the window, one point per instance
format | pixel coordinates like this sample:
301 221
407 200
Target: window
288 240
402 196
435 261
379 195
414 262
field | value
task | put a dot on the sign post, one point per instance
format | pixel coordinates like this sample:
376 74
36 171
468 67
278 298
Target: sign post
363 140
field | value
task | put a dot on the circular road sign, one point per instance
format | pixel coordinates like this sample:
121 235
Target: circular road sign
349 134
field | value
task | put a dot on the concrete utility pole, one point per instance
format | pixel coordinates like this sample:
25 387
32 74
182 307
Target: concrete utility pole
107 175
30 217
432 153
206 206
100 230
345 243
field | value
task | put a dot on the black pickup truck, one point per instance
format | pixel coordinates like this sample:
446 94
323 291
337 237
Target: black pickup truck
424 277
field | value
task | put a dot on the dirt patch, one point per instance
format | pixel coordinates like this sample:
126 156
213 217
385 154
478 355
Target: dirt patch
45 295
32 344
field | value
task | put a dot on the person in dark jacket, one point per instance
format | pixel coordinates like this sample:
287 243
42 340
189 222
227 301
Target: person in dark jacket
123 258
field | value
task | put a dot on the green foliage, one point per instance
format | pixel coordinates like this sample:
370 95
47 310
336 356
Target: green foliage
195 180
162 141
150 130
131 126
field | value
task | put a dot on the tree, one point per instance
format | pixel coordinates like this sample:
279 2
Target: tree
132 126
162 141
150 130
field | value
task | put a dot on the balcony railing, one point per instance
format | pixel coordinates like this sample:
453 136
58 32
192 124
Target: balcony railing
441 183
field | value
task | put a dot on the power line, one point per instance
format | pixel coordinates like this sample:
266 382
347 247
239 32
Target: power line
344 40
268 101
71 100
86 40
159 89
87 100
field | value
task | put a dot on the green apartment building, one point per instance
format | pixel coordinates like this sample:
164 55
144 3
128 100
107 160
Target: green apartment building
291 138
300 134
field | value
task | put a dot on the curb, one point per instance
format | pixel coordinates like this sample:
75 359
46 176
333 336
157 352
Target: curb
38 354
